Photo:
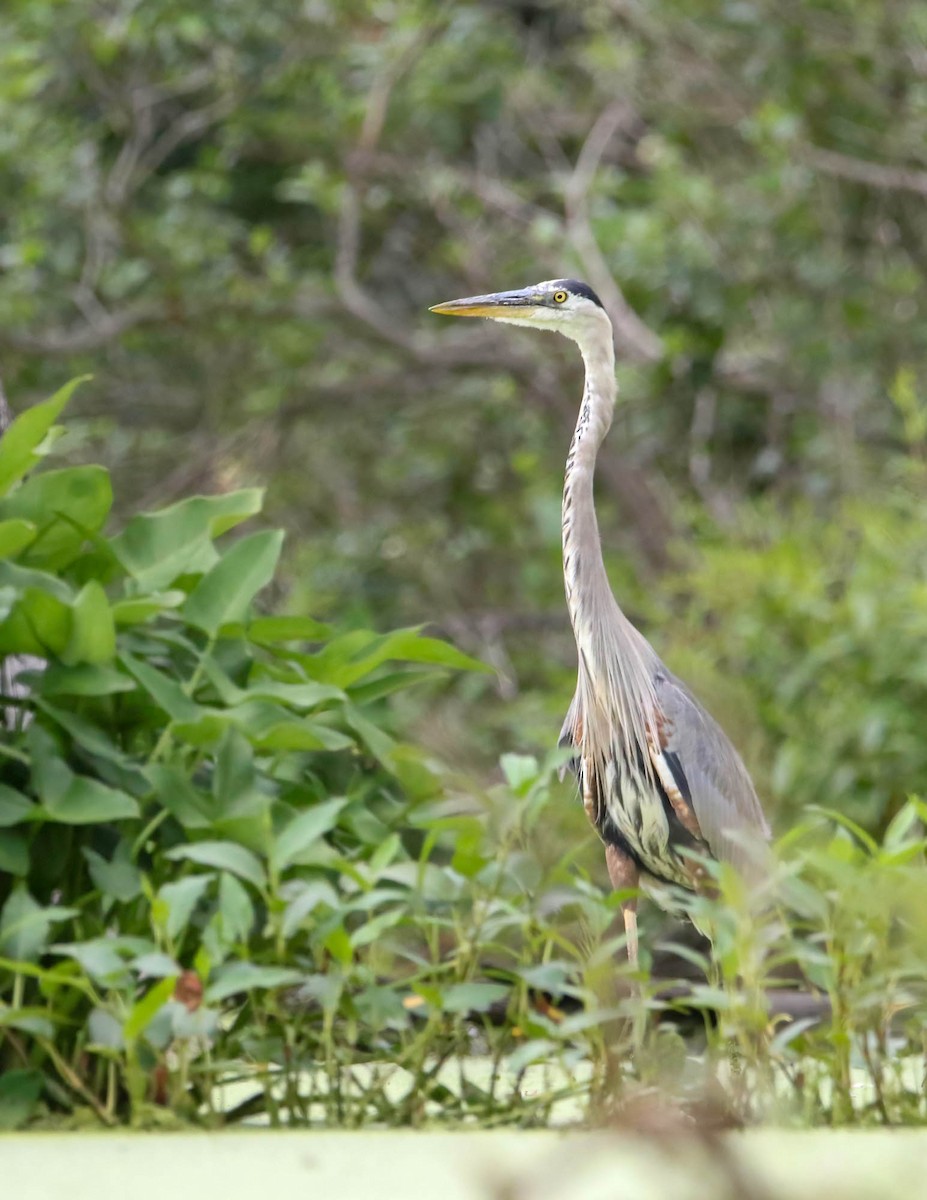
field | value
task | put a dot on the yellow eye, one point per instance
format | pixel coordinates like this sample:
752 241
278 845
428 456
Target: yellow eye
560 297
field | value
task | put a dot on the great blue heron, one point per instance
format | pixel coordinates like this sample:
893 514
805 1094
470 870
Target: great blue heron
659 778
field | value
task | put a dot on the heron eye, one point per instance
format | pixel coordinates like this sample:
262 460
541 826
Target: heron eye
560 297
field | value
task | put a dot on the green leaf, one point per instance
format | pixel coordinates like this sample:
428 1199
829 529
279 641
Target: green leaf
306 900
118 878
19 447
87 801
93 633
99 958
236 911
157 548
14 807
19 1096
33 1021
472 997
39 624
98 679
303 831
232 978
297 695
155 965
15 534
179 900
234 774
350 657
25 925
138 609
378 743
104 1030
225 593
65 505
178 795
228 856
166 692
268 630
14 853
92 738
144 1011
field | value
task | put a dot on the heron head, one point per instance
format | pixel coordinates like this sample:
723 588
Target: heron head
564 305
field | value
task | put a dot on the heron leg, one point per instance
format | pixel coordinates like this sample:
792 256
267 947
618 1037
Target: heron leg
624 873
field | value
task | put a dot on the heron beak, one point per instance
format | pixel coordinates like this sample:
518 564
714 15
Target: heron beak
497 304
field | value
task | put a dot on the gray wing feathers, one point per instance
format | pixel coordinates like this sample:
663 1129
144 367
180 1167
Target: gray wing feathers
723 796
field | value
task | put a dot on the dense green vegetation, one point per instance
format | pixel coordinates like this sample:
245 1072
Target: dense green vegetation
235 216
220 868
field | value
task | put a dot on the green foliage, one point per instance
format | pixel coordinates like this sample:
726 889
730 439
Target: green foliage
236 215
825 626
229 891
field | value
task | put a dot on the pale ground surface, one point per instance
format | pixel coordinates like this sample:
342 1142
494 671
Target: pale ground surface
508 1165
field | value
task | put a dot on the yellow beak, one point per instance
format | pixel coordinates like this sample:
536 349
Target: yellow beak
493 305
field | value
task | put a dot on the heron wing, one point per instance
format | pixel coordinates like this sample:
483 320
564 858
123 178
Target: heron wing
697 756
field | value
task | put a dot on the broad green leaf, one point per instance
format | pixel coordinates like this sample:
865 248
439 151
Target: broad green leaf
33 1021
144 1011
166 692
92 738
232 978
25 925
352 656
234 774
302 735
268 630
14 807
520 771
226 855
39 624
303 831
15 535
472 997
136 610
65 505
175 791
155 965
21 442
300 696
266 725
119 877
87 801
156 548
378 743
375 927
224 594
98 679
306 900
20 1089
93 634
236 912
14 853
99 958
51 776
104 1030
179 900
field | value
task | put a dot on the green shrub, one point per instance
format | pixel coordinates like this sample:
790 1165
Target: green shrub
822 625
228 891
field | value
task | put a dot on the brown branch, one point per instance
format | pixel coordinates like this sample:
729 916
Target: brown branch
635 339
858 170
91 336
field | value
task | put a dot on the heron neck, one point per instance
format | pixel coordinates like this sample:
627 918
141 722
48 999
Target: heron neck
583 566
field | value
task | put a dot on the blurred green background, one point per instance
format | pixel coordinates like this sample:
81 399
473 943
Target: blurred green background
236 215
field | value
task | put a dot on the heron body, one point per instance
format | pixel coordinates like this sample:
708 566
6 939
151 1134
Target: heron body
660 780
